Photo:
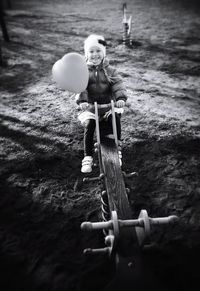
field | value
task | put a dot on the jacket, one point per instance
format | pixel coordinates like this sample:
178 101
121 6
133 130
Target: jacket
104 85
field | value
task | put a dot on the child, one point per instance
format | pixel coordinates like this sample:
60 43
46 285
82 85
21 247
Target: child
104 85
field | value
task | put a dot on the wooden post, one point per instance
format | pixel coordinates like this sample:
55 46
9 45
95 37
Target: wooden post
3 24
127 23
6 4
1 59
9 4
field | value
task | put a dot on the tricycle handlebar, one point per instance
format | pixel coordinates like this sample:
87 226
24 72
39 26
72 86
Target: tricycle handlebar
101 106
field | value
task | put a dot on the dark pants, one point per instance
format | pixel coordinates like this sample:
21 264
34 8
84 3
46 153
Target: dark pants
105 125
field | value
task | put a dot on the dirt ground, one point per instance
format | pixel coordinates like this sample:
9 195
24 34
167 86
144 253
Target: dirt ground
41 210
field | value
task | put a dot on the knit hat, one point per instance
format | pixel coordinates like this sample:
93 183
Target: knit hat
95 40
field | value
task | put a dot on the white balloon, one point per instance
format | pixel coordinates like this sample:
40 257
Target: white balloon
56 70
71 73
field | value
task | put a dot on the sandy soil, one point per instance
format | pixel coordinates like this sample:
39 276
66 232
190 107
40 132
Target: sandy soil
41 141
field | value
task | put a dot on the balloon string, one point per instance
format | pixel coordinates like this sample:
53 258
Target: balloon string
72 94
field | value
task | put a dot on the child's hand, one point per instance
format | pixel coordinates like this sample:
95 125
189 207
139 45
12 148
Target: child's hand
84 105
120 103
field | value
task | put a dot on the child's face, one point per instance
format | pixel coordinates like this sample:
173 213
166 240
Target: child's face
95 55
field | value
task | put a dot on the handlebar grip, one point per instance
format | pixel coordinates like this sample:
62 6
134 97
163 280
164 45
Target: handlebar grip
101 106
87 225
163 220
